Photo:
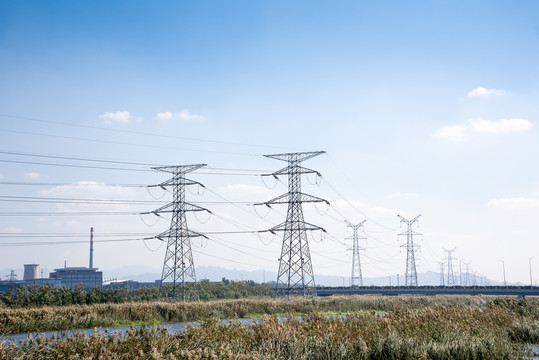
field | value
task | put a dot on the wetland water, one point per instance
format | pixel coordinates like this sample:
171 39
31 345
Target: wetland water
172 328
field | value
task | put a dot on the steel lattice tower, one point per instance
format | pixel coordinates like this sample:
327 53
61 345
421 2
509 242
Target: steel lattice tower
178 265
442 278
450 272
357 277
467 277
295 276
411 272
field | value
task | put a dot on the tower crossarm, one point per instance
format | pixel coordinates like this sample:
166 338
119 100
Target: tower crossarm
301 156
179 169
409 233
172 232
302 198
172 207
177 181
304 226
293 170
355 226
411 246
409 221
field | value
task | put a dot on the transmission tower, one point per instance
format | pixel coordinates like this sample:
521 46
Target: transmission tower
442 278
450 272
467 276
178 265
411 272
295 276
357 276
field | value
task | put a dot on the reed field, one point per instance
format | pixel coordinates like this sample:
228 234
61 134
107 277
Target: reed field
53 318
410 328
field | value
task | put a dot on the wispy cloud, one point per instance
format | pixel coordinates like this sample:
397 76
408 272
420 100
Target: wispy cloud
399 195
453 132
90 189
32 176
185 115
118 116
520 203
344 204
458 133
502 126
13 229
482 92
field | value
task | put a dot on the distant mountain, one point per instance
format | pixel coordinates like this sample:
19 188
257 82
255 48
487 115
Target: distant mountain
215 273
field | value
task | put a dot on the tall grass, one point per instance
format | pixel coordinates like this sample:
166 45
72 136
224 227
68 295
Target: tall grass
440 332
45 318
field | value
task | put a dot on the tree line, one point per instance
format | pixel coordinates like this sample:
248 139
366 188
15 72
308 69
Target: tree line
45 295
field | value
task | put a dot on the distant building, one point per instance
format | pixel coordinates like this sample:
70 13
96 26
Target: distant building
73 276
132 284
44 282
31 271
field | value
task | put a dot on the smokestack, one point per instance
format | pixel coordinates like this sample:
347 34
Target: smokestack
91 248
31 271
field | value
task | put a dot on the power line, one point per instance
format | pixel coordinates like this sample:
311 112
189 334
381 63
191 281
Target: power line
355 208
136 132
76 158
66 213
72 165
75 200
34 243
67 235
125 143
76 184
109 161
37 199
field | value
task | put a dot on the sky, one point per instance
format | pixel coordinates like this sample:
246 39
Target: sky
422 107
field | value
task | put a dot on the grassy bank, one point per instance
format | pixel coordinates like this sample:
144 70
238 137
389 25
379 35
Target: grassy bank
437 332
45 318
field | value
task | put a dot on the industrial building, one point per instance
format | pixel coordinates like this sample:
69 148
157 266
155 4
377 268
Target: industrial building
73 276
67 276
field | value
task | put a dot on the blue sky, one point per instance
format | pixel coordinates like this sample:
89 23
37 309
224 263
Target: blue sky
423 107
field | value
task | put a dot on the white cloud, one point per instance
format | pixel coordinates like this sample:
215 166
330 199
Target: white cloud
32 176
243 189
520 203
1 177
185 115
118 116
91 190
485 93
454 132
479 125
502 126
400 195
349 204
13 230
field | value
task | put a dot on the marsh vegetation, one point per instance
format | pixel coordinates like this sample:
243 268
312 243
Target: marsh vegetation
410 328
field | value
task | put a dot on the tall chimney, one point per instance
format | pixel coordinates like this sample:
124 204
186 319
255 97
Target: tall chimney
91 248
